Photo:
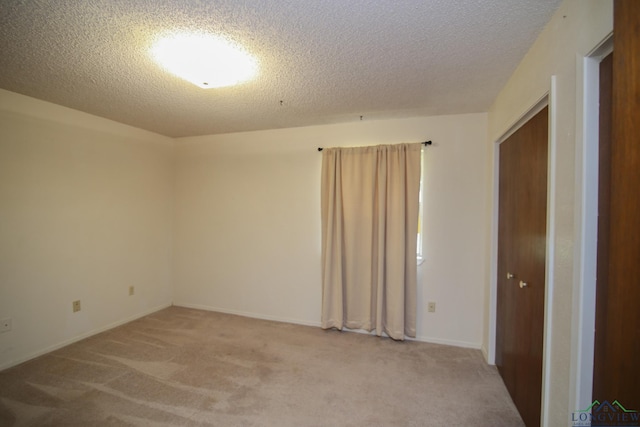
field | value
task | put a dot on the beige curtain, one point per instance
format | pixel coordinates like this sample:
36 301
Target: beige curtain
369 232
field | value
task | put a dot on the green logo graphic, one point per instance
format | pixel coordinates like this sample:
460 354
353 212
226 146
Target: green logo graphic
606 414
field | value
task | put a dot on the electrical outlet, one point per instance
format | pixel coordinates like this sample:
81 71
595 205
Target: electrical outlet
76 306
5 325
431 307
132 290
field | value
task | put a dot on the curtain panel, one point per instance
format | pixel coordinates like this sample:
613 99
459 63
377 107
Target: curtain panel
370 202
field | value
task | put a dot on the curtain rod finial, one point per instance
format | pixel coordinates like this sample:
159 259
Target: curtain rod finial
320 148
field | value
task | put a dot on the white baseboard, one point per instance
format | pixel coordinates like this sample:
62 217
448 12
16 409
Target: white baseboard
64 343
485 354
81 337
432 340
454 343
248 314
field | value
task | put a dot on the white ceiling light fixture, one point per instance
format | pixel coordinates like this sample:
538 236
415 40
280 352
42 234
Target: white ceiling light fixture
205 60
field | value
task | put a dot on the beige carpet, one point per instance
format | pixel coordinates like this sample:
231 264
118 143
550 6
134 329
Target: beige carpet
184 367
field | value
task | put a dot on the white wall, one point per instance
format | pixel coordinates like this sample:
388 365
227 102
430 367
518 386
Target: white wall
86 210
577 28
247 230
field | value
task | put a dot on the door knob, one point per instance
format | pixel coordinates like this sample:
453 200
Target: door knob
523 284
509 275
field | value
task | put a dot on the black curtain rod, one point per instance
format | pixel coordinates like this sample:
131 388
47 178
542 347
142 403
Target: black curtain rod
425 143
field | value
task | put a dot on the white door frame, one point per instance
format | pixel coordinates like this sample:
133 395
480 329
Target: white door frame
586 219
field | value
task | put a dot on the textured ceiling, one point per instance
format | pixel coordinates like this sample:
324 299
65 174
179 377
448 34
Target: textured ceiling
328 61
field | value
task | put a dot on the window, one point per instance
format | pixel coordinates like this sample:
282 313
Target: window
419 251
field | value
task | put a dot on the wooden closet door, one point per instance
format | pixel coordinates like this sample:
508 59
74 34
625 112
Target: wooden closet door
521 264
604 222
617 338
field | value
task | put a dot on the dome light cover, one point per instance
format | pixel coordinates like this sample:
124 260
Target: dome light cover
205 60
